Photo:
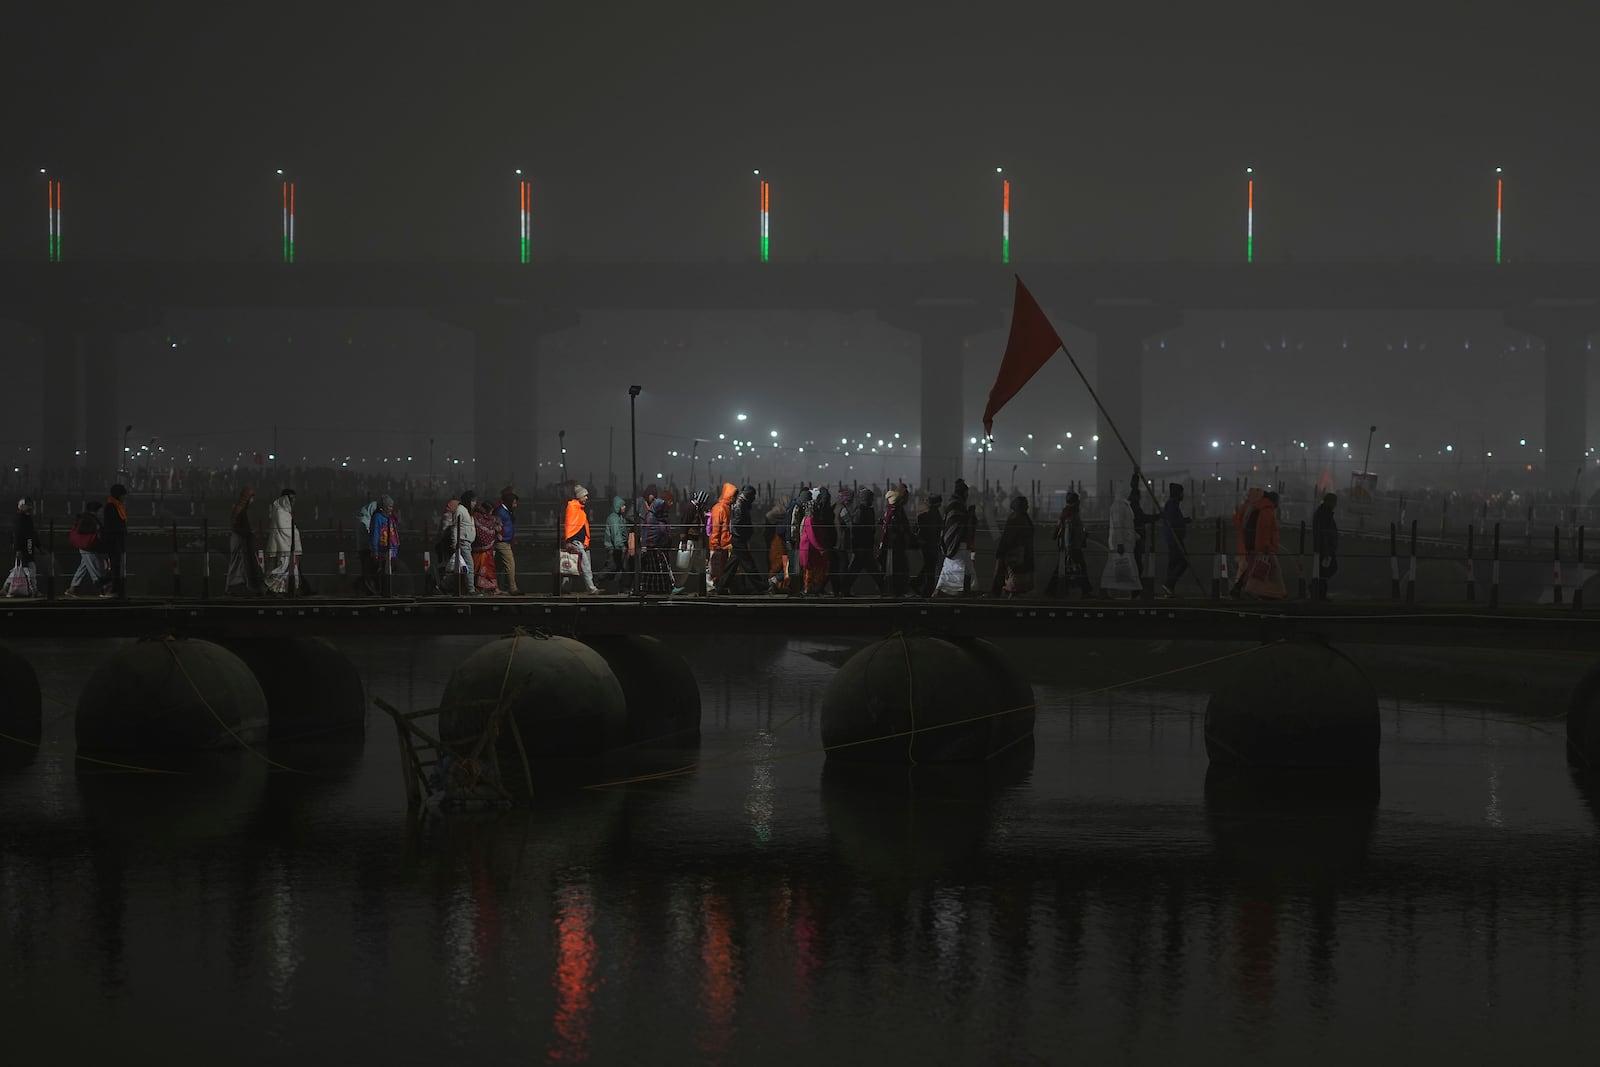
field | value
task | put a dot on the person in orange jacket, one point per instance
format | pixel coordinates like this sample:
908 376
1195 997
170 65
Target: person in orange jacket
575 535
720 540
1244 525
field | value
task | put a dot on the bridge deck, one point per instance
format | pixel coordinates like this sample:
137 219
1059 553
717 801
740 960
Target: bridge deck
1338 622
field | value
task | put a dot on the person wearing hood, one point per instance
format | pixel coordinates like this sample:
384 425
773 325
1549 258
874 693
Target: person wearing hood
1122 572
283 543
655 575
114 542
385 544
1265 577
816 535
1071 539
575 536
1244 525
24 540
1013 553
894 538
617 542
1325 543
719 539
1174 526
741 528
505 555
928 530
955 570
244 577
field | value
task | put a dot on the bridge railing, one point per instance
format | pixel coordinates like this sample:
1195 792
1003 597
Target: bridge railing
1485 566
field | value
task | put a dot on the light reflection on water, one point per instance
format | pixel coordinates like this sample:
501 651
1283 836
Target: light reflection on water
1102 898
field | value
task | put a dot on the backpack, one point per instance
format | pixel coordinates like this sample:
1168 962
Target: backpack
87 524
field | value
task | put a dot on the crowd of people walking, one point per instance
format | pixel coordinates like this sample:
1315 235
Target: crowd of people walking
816 542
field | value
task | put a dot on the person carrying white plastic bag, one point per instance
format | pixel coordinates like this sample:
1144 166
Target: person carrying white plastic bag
1121 573
23 579
956 572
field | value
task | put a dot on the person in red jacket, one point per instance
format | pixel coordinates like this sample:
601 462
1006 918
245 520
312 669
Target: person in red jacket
719 541
575 536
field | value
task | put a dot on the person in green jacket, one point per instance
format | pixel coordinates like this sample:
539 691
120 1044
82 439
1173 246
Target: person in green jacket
617 541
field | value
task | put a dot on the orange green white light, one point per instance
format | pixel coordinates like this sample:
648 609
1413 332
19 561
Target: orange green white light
1250 218
766 203
53 217
525 191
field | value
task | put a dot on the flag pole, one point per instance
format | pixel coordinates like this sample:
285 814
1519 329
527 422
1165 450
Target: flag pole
1111 424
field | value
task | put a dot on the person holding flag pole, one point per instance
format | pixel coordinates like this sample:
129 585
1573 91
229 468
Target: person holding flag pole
1029 346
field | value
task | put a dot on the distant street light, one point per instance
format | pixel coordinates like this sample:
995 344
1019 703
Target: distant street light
638 506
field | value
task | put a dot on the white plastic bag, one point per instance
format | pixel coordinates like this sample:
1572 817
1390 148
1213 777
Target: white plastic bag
953 576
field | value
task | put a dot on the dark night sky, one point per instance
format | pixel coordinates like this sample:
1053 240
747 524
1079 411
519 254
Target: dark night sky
1126 129
1375 132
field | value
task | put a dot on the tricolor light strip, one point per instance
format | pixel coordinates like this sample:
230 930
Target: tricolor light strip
53 216
288 221
1005 221
1250 218
766 195
527 214
1499 210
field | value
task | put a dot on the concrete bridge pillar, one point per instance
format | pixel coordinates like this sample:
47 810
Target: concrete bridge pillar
505 444
1564 327
942 325
1121 328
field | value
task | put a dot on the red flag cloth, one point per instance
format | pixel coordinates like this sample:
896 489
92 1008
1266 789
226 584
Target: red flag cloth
1031 344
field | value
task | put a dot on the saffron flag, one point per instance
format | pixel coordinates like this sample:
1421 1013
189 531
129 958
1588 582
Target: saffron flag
1031 344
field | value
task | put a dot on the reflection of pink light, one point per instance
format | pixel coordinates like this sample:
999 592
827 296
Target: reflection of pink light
808 961
573 978
720 992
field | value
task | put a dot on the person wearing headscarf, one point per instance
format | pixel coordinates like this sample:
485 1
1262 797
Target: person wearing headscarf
243 575
656 571
816 533
777 550
485 532
894 538
1070 539
1013 553
24 540
385 541
283 543
1122 570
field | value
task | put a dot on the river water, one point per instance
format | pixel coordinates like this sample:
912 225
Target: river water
1097 902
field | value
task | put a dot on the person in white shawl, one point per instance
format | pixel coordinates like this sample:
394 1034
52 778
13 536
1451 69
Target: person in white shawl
1121 573
283 542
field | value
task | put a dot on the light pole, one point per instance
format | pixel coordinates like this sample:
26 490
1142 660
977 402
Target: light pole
126 430
561 438
1368 457
638 519
694 452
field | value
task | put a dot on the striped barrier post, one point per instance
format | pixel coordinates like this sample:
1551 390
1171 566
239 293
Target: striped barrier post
1472 578
1411 567
1577 589
1219 572
1394 565
1494 570
341 563
1300 581
1555 568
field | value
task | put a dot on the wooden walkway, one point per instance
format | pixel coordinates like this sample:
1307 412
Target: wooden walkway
1337 621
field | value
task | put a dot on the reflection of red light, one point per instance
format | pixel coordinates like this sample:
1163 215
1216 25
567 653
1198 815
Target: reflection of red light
806 937
574 974
720 994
